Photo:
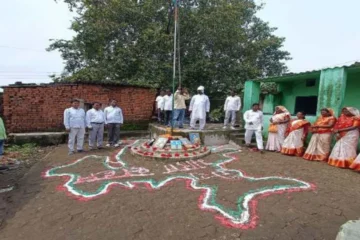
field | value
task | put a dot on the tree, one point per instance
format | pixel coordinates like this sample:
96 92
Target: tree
223 43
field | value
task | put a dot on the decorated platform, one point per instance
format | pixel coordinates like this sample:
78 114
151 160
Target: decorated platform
213 134
172 147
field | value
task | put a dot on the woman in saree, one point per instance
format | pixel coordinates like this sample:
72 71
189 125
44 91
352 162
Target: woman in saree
319 146
296 134
278 125
356 164
346 130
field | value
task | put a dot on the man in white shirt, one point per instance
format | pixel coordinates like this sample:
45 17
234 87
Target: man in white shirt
95 119
113 119
160 106
199 106
231 107
75 124
168 102
254 124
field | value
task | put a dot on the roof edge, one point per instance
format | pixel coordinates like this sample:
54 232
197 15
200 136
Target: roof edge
56 84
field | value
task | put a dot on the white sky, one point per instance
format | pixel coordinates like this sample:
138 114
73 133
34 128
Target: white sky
319 34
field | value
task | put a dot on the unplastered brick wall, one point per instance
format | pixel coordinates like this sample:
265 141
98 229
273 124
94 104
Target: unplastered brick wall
1 105
41 107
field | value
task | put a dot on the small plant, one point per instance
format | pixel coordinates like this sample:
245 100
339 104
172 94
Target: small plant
21 151
216 115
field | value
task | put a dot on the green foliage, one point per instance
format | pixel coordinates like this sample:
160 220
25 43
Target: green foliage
223 43
135 126
269 87
25 150
216 115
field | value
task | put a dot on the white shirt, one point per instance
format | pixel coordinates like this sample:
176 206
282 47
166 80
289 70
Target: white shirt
168 102
256 118
113 115
232 103
160 102
74 118
199 106
95 116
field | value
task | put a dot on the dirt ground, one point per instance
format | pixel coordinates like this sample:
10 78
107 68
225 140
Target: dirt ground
122 197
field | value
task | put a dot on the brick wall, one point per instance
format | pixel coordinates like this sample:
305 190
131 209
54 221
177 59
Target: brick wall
1 105
41 108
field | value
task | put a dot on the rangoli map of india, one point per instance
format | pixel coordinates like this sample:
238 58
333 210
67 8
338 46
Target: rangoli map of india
201 175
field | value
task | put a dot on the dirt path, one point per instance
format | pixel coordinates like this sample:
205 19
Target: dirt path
237 195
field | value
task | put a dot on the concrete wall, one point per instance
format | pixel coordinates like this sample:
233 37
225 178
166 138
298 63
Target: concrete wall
335 88
41 108
352 95
298 88
332 89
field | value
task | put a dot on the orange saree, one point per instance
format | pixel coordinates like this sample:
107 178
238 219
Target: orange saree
344 151
319 146
297 131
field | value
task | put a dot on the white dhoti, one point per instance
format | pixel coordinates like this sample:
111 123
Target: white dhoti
202 123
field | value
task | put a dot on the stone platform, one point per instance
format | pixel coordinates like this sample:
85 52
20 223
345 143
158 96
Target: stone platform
213 134
55 138
150 152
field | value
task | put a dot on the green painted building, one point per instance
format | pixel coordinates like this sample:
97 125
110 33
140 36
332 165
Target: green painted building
307 91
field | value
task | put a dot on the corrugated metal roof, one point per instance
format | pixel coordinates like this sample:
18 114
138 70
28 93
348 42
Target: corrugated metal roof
307 74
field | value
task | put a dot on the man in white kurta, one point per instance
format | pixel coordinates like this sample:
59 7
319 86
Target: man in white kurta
75 123
231 107
95 119
254 124
199 106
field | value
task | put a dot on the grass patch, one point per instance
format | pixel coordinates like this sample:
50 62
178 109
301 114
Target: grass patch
135 126
21 151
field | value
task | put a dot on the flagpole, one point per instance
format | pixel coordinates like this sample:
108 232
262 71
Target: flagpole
174 64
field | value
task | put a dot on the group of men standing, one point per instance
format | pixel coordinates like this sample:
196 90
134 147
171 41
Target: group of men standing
76 121
199 107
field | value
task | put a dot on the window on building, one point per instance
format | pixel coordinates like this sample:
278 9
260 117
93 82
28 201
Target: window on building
306 104
310 82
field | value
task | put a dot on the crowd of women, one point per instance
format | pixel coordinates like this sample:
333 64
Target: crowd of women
288 136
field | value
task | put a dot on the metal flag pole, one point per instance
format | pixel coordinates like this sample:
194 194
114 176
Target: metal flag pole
174 64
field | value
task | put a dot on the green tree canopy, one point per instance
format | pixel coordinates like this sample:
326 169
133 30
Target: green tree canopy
222 43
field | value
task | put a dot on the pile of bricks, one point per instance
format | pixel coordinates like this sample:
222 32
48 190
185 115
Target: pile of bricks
35 108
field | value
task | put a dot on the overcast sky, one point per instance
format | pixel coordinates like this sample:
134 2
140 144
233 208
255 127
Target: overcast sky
319 34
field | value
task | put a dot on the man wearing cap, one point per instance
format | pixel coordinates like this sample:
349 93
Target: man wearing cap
199 106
